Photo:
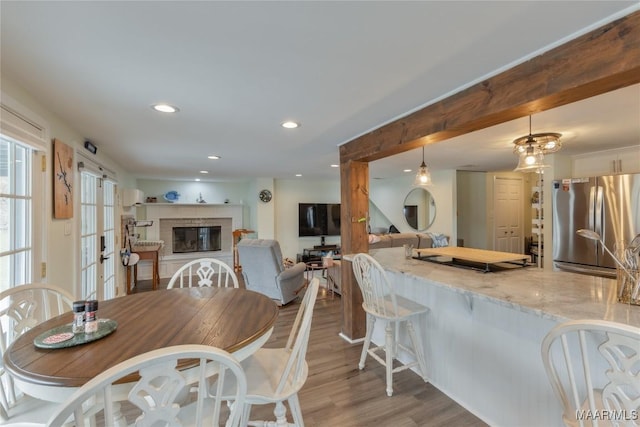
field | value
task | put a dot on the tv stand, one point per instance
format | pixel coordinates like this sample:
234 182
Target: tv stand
317 252
325 247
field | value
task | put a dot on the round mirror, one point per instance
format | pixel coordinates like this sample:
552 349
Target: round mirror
419 209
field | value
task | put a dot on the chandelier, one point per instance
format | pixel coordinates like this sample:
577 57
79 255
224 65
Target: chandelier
532 148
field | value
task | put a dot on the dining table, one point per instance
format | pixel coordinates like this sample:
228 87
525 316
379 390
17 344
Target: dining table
236 320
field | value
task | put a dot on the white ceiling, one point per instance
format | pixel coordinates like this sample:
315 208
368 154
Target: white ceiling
238 69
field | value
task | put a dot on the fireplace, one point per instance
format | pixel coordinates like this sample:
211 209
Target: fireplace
196 239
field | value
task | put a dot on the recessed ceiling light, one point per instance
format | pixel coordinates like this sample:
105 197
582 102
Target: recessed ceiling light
407 170
165 108
298 174
197 179
213 157
335 166
290 125
204 171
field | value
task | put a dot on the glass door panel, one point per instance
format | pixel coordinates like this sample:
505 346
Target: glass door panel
97 236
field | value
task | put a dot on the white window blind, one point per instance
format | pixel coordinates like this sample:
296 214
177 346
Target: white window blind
16 126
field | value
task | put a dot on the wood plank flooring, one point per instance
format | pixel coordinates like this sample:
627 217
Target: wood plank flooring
337 393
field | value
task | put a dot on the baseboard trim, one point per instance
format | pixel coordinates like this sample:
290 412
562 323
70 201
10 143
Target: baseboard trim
349 340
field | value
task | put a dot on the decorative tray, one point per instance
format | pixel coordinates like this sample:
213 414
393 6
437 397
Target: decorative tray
63 337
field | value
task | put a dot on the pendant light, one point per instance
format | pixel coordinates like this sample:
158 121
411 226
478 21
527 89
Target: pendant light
532 148
423 177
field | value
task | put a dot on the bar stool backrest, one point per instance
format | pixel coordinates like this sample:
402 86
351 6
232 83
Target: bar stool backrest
378 295
594 369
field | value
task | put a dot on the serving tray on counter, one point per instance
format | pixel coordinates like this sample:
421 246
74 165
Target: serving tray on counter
63 336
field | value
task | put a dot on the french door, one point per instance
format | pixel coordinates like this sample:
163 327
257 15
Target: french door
97 237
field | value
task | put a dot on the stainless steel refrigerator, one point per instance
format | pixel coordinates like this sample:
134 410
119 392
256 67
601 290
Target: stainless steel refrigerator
608 205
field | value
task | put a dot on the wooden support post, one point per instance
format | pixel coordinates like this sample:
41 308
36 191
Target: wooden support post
354 212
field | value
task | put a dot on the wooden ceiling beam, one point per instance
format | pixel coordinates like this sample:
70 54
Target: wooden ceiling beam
603 60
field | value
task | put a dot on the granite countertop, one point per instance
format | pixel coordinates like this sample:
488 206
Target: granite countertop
556 295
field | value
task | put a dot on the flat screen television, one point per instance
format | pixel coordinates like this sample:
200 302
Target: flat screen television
318 219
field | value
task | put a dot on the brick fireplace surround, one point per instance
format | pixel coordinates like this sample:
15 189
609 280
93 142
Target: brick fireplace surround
165 216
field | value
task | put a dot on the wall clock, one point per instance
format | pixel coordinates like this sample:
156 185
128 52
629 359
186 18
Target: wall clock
62 180
265 196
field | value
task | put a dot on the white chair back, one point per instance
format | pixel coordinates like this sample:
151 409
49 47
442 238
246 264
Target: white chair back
298 341
204 272
378 296
157 392
22 308
593 367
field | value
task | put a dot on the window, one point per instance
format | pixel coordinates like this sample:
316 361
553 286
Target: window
16 204
23 145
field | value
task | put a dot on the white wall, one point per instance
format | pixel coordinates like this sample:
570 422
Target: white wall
472 209
265 212
277 219
235 191
288 193
61 250
389 194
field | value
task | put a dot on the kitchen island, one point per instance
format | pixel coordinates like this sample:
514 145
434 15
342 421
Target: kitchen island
483 334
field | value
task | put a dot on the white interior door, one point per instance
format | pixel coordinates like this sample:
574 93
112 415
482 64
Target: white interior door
508 214
97 237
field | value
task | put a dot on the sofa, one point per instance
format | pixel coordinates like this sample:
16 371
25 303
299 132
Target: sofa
397 240
393 240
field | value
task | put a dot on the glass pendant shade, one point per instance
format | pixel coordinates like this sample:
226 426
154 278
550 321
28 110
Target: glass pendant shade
423 177
531 160
531 149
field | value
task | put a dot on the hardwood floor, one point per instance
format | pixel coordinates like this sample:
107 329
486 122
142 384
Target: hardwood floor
337 393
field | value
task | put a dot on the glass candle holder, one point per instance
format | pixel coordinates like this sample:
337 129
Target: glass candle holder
408 250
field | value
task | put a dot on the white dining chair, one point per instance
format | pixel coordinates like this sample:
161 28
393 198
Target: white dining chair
380 302
21 308
594 370
277 374
156 397
204 272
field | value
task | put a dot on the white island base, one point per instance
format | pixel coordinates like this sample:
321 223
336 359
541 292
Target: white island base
483 335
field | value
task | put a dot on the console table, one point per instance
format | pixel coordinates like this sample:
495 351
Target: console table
237 235
146 253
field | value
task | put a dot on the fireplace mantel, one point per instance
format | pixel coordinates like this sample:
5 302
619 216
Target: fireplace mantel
157 211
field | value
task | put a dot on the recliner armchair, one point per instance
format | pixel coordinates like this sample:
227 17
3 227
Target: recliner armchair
264 272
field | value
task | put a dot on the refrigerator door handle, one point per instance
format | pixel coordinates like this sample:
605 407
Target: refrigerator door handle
598 212
592 196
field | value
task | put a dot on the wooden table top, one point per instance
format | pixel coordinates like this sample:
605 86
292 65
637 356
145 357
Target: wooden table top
471 254
145 248
226 318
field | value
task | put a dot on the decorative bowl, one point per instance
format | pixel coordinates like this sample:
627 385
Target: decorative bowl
171 196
